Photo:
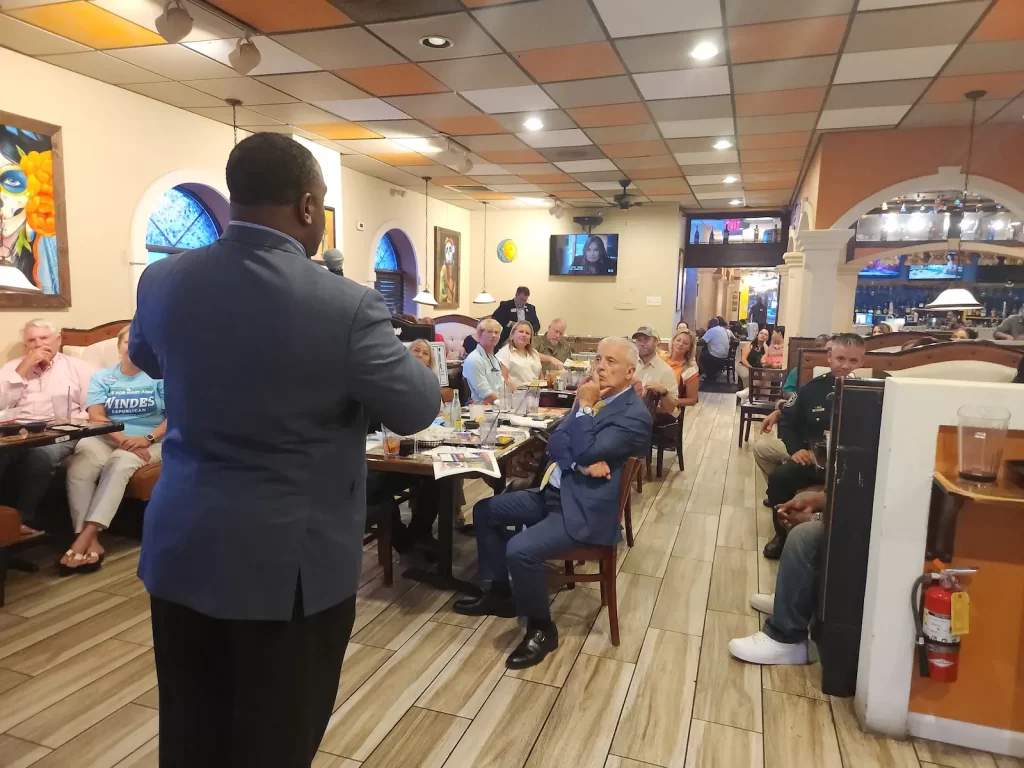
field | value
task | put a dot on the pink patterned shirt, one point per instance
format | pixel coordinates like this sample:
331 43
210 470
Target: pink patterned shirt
36 392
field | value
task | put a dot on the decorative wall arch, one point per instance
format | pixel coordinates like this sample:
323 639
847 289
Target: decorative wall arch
947 177
408 260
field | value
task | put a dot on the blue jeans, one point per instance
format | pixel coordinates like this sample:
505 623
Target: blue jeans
524 556
36 468
796 585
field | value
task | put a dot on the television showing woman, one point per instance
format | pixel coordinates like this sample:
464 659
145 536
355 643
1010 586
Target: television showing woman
594 260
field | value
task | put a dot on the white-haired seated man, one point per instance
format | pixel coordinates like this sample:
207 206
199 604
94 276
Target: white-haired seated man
28 386
577 504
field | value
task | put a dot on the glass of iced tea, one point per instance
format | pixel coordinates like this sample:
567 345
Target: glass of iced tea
981 433
392 442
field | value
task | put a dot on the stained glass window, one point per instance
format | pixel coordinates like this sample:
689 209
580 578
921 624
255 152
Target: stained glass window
180 223
386 259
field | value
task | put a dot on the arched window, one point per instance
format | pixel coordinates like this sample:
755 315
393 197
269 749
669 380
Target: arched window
180 222
390 280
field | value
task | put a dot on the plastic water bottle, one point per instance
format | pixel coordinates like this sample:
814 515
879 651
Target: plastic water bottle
455 413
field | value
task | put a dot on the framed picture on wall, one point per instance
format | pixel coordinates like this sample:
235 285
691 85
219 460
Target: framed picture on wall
447 256
34 267
328 240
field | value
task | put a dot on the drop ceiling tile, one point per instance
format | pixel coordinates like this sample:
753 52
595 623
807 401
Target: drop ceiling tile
175 62
590 93
739 12
780 176
246 117
359 110
596 177
586 194
751 169
581 166
407 160
371 11
341 131
517 157
670 51
429 106
275 59
492 180
719 169
530 169
861 117
662 172
205 25
885 94
786 39
774 140
514 188
633 149
678 129
913 27
1004 22
649 17
714 179
451 181
983 58
571 62
603 186
344 48
716 191
544 139
466 125
521 98
33 41
313 86
702 144
541 24
760 186
663 160
250 92
398 129
100 66
393 80
275 16
562 187
718 195
701 108
802 121
87 24
404 36
419 168
703 158
498 71
500 143
176 94
1011 113
567 154
951 114
766 155
901 64
779 102
623 134
684 200
553 120
488 169
541 179
999 85
664 186
296 114
683 83
787 74
610 115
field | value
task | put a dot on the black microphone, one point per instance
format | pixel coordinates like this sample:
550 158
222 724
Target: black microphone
334 261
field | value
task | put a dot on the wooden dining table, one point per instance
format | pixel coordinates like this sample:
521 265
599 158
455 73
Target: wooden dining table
419 465
50 436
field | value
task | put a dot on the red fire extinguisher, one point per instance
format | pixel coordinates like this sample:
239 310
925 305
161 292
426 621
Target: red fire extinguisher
938 645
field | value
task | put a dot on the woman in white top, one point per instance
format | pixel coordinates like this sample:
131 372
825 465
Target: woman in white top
481 369
519 357
682 360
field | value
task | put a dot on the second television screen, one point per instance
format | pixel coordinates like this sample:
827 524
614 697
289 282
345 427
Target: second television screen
584 255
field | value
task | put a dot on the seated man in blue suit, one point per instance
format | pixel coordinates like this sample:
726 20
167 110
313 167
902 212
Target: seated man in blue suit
577 504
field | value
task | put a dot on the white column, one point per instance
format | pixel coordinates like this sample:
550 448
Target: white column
846 297
823 252
790 304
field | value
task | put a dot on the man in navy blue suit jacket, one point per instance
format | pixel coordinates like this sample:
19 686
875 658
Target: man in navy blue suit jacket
252 541
576 506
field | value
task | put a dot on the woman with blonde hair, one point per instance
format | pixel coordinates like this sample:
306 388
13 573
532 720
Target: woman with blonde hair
682 359
519 356
481 369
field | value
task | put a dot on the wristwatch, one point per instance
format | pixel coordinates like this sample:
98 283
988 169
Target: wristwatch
816 516
151 439
587 410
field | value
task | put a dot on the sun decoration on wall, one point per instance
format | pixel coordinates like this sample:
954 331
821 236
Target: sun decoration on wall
507 251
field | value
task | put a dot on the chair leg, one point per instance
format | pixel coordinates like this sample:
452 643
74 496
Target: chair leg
628 519
384 555
5 556
569 571
604 593
746 435
640 483
650 477
613 609
661 460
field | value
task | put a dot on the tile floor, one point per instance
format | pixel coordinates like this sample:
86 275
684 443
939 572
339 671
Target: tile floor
422 686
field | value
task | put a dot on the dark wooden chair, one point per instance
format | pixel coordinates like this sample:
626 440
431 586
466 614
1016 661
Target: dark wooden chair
765 392
730 361
667 433
604 556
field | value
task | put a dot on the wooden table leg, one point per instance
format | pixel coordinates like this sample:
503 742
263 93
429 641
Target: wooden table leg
442 578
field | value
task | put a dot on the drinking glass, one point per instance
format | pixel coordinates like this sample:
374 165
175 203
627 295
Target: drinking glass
981 431
392 441
61 407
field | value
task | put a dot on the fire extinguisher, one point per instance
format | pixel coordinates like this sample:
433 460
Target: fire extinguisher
938 647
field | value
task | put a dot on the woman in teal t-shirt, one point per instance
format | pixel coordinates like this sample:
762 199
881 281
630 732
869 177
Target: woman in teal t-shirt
102 466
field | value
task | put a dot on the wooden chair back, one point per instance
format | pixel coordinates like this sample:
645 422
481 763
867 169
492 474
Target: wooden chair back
83 337
766 385
629 473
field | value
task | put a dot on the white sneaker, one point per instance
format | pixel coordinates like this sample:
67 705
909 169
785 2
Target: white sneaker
761 649
763 603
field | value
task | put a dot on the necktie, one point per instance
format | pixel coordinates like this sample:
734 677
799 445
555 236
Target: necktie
547 475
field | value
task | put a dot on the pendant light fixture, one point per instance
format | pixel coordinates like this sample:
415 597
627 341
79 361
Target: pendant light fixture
234 104
484 297
425 296
973 96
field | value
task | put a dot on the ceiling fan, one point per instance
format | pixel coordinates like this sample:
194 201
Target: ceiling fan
624 201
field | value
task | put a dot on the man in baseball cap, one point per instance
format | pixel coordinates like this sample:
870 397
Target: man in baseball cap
655 374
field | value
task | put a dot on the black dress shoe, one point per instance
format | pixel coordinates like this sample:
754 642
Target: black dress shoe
766 503
537 644
773 549
466 530
488 604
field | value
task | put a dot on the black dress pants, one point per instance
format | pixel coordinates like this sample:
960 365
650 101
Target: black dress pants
246 694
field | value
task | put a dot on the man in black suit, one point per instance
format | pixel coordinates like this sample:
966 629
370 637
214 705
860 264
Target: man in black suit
253 539
514 311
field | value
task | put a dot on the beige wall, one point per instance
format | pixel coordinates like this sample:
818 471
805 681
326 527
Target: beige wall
649 239
117 145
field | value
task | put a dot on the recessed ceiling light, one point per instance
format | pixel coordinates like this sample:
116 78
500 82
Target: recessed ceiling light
729 180
533 124
735 202
722 144
704 51
436 42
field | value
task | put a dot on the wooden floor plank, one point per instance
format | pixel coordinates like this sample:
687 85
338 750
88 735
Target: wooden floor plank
373 598
403 618
15 753
72 589
713 745
573 612
737 528
141 633
636 598
728 691
952 756
860 748
9 679
361 661
733 581
706 499
798 733
146 756
421 739
696 538
651 550
108 742
19 636
683 599
324 760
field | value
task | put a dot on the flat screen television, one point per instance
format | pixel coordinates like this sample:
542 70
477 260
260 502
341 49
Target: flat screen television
584 255
878 269
948 271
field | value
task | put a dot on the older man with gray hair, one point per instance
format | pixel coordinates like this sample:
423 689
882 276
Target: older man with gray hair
576 505
29 386
553 347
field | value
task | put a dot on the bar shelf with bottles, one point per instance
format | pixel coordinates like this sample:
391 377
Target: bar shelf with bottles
907 300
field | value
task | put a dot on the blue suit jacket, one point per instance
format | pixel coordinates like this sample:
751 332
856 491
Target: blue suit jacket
618 431
272 367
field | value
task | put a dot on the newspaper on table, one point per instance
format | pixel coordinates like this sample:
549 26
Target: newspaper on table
454 460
